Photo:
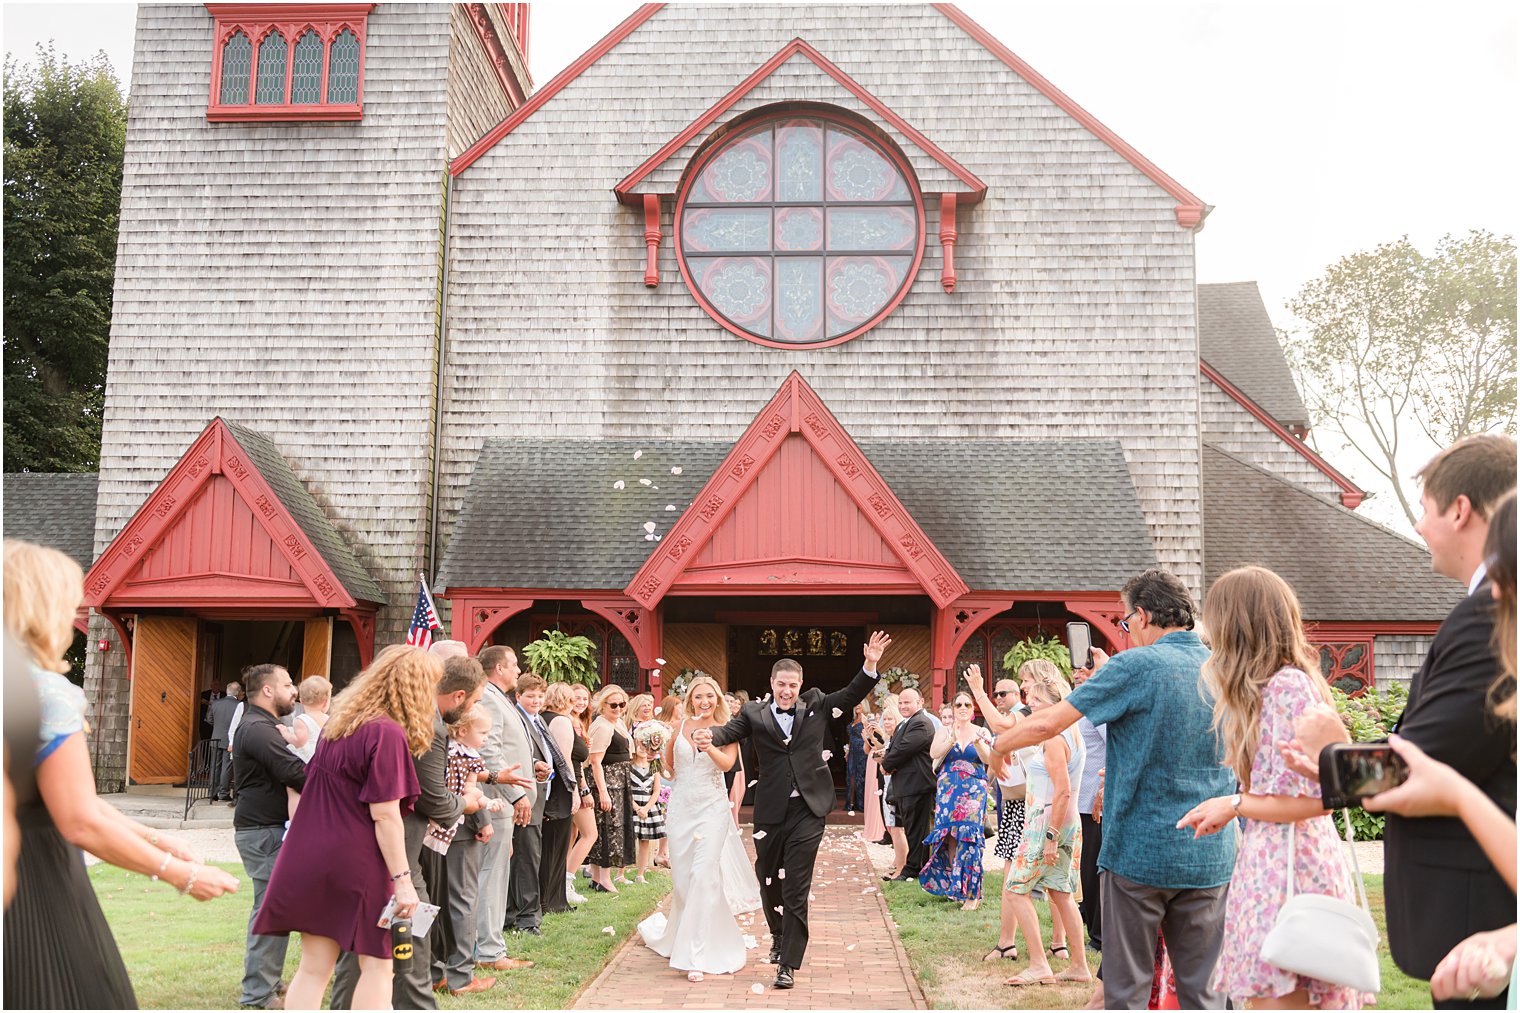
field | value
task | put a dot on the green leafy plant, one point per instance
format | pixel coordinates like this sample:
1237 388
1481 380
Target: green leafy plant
1029 648
1368 717
560 658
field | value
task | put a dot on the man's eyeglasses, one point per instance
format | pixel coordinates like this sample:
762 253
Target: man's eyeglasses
1124 623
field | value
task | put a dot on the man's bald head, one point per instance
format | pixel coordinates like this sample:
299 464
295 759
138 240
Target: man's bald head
909 701
1005 695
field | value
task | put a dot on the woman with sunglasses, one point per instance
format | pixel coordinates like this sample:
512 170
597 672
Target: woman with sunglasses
955 841
611 754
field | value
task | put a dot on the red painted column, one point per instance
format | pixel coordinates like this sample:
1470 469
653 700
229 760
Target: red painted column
947 238
652 240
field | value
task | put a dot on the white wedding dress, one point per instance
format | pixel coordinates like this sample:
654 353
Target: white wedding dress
712 880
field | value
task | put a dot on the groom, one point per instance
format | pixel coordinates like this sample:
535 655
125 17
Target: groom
795 793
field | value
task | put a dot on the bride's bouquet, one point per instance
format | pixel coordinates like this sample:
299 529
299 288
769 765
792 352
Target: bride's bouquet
651 737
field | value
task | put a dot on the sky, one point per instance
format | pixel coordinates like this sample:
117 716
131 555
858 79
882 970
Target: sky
1315 129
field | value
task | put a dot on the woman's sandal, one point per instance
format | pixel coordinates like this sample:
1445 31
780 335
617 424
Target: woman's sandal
1009 952
972 904
1067 976
1023 978
1065 951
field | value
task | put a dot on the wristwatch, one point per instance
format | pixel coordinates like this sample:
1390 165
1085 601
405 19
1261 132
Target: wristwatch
1050 835
1235 803
490 777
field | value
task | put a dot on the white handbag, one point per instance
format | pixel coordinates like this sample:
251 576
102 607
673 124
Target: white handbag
1325 937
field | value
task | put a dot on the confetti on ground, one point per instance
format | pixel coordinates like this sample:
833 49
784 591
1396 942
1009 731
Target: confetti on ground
619 484
757 988
676 470
850 812
608 930
851 947
811 897
869 889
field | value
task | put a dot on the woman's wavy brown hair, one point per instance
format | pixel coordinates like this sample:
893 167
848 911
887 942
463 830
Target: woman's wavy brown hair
401 684
1499 550
1256 629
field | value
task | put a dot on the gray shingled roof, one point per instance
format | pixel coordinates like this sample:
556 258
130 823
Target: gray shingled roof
544 513
1236 337
1344 567
307 513
55 509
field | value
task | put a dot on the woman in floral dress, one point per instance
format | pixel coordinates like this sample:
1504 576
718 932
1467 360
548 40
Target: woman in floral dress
956 840
1264 675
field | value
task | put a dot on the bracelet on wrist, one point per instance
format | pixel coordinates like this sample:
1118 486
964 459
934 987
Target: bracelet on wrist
190 883
401 875
161 867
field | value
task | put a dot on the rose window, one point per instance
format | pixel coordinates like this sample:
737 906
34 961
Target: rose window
799 231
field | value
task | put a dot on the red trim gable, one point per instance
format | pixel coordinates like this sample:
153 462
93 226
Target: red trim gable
480 20
214 454
798 409
624 189
554 87
1190 209
1351 494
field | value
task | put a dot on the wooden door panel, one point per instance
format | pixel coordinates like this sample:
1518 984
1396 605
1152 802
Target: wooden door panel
163 698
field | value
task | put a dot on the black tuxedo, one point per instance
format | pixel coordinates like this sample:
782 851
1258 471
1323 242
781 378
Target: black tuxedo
788 826
1440 887
907 760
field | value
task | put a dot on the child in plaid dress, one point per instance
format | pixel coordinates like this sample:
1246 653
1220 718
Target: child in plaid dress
648 811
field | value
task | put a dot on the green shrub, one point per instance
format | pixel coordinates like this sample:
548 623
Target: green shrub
1368 717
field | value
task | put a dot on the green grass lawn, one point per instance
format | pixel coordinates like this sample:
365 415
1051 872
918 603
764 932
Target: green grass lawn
185 955
945 946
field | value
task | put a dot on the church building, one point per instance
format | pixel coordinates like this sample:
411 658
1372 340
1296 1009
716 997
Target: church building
756 329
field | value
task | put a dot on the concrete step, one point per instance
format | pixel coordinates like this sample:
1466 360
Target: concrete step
155 791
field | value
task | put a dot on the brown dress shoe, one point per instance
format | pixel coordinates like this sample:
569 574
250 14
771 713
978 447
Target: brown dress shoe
507 964
475 985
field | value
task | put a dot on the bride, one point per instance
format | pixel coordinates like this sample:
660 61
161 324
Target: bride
701 934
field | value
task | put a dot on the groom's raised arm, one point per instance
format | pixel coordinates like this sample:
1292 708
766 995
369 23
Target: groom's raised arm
738 727
844 700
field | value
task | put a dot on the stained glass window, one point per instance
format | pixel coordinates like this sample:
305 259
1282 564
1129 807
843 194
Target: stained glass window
237 58
306 70
343 69
270 89
800 230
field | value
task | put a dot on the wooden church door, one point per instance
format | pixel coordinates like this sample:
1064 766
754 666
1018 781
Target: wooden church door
163 698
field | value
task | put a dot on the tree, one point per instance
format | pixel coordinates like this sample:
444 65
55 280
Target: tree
1397 346
65 132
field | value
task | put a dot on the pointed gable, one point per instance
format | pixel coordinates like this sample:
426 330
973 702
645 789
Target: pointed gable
230 525
796 501
800 73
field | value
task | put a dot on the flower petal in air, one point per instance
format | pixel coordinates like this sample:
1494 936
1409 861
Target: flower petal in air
619 484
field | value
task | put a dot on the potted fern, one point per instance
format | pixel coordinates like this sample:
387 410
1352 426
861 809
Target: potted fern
559 658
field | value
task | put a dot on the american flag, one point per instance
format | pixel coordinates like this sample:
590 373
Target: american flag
424 620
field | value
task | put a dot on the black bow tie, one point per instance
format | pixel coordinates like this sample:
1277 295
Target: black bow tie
787 710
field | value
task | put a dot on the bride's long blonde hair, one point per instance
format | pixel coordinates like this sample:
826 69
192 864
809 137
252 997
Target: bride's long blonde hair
1255 630
720 712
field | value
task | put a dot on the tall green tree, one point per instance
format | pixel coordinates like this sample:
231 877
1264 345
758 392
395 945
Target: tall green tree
1397 345
65 132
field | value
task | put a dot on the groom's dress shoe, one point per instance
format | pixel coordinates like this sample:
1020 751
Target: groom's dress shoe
784 977
775 957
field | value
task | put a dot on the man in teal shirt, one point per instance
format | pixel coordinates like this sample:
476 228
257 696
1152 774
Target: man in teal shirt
1163 759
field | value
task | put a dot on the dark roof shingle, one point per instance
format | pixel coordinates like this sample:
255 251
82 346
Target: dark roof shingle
1236 337
56 509
1343 566
307 513
998 510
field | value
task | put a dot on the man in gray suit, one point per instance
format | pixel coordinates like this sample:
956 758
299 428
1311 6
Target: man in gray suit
507 744
222 710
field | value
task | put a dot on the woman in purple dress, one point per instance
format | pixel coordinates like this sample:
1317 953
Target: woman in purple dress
345 854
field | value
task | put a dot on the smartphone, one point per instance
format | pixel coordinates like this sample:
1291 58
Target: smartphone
1079 642
1352 771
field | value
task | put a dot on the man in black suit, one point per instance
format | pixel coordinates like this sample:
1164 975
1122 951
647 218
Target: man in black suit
795 793
222 710
1440 887
907 760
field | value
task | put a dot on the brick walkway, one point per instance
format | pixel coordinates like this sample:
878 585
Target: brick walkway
854 959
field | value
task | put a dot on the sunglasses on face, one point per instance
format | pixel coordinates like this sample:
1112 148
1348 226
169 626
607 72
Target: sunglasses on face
963 703
618 706
1006 692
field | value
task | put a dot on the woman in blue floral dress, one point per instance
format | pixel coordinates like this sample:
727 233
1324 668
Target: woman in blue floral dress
855 763
956 840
